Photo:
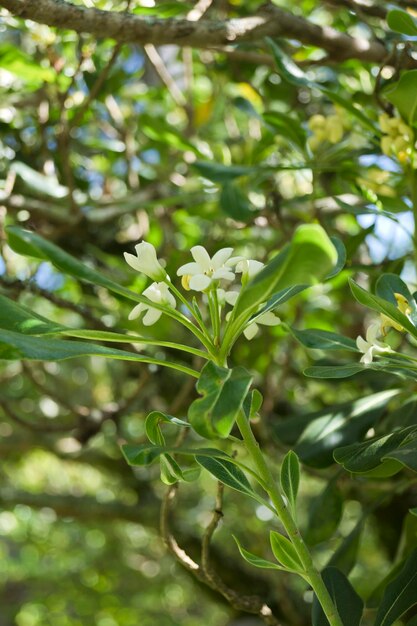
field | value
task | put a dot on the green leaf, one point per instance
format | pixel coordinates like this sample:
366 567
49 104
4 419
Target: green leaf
341 257
290 478
324 515
219 173
309 256
252 403
339 425
317 339
381 456
403 95
286 126
402 22
400 595
153 430
254 560
37 183
279 298
285 553
24 67
349 605
227 473
30 244
20 319
345 557
295 76
234 203
224 392
360 414
335 371
382 306
390 284
145 454
16 346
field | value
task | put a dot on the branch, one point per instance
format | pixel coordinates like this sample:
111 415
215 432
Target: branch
204 33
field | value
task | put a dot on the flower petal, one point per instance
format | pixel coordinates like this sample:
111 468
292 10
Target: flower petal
223 273
220 258
251 331
200 282
234 260
190 268
133 261
268 319
361 344
231 297
137 310
202 257
151 316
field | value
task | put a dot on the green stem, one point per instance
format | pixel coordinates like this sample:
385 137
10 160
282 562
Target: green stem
288 522
185 302
103 335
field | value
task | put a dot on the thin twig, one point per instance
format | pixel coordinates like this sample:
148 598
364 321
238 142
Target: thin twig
248 604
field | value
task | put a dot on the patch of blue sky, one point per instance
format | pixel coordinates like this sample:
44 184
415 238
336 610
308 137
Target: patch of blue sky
379 160
47 278
390 239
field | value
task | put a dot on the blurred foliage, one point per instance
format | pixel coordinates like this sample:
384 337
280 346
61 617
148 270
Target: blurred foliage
98 152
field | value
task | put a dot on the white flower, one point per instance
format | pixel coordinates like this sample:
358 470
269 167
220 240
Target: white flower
249 269
371 345
146 261
228 297
267 319
158 293
200 274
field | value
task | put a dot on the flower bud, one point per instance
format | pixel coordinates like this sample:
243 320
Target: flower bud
146 261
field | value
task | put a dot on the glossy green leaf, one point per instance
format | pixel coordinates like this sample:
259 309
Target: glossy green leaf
280 297
252 403
145 454
16 347
400 595
152 426
341 257
28 243
227 473
234 203
290 478
376 303
254 560
363 412
224 391
390 284
325 513
219 173
20 319
334 371
284 552
402 22
317 339
349 605
338 426
403 95
310 256
382 456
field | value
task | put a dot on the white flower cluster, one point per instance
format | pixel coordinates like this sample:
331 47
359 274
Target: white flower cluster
372 346
204 274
